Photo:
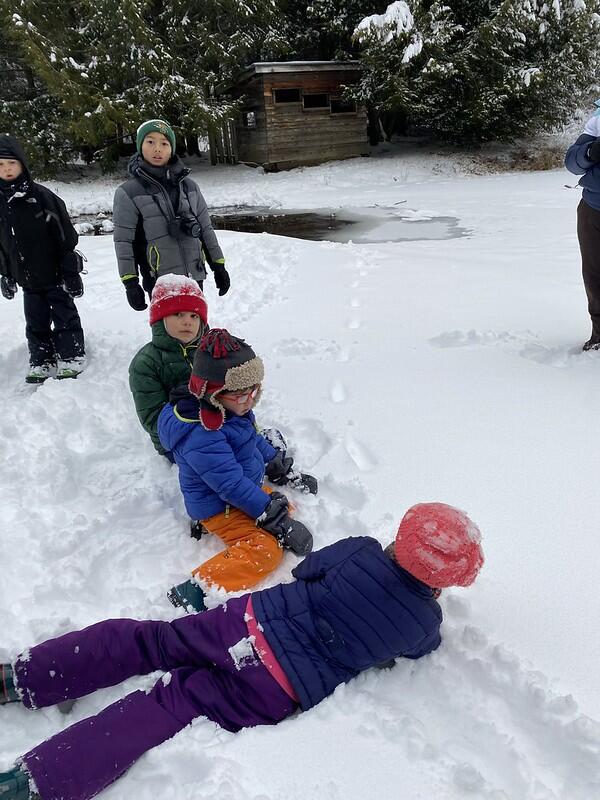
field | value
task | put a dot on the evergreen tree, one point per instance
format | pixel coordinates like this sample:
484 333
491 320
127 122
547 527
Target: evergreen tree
476 70
106 65
322 29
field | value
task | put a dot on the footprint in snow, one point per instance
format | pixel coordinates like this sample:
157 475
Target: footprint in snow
360 454
338 393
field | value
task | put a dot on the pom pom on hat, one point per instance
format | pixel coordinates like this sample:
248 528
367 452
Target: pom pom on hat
439 545
154 126
174 293
222 363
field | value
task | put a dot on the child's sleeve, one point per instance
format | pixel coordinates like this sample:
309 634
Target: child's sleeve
319 562
215 463
125 219
210 244
149 396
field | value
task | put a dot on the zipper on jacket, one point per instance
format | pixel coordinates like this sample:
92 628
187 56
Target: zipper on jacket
165 194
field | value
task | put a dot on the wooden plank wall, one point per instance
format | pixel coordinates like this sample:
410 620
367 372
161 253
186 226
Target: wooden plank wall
287 135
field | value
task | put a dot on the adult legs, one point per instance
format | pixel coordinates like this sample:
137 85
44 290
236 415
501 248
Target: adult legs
588 233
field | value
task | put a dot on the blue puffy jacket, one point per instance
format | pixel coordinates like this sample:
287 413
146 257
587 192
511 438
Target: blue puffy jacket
577 162
216 468
350 608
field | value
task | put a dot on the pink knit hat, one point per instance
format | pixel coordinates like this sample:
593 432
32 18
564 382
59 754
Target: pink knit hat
174 293
439 545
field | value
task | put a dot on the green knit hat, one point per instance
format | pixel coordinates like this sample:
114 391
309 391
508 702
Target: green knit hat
151 126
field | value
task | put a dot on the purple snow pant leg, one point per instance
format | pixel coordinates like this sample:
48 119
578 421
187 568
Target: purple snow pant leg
205 681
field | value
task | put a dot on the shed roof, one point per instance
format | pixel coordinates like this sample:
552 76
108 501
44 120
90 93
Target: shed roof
262 67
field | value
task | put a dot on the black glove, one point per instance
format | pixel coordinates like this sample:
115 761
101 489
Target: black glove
593 151
291 534
135 294
222 279
280 472
8 287
277 469
73 284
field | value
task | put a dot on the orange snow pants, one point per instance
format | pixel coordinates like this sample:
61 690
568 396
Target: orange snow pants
250 553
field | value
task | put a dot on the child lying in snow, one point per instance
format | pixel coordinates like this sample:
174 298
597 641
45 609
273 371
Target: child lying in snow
209 427
254 661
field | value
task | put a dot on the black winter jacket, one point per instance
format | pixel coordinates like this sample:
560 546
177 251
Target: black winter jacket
37 237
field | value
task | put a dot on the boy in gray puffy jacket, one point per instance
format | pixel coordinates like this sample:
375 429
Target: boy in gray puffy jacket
161 220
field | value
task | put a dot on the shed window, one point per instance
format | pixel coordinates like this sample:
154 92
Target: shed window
249 118
339 106
311 101
287 95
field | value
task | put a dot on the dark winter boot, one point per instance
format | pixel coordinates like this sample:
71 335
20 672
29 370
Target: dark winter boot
591 344
296 537
14 785
188 596
8 692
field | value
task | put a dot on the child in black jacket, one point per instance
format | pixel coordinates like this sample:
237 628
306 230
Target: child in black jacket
37 243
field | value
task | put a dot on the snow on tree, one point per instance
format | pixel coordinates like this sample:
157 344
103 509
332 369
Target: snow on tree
109 64
476 70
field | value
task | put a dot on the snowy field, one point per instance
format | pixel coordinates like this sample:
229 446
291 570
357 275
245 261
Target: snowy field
401 373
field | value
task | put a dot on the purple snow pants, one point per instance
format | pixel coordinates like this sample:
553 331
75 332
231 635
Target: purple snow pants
205 680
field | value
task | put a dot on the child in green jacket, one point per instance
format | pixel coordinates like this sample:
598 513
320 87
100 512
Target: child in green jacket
179 318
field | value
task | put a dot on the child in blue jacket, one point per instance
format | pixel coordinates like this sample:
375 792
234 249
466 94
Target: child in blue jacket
253 661
210 429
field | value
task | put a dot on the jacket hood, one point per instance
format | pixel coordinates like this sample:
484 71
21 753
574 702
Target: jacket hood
10 148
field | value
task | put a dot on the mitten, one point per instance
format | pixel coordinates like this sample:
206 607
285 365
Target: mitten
222 280
280 472
8 287
291 534
73 284
135 294
593 151
277 469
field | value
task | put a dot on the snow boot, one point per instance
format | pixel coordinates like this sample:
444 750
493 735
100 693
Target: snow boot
69 369
38 373
296 537
8 691
591 344
14 785
187 595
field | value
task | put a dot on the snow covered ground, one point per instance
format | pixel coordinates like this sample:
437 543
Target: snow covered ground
401 372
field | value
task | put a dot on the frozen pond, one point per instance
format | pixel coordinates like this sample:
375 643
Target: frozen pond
366 225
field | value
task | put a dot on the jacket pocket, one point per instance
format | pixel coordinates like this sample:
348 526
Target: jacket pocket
154 258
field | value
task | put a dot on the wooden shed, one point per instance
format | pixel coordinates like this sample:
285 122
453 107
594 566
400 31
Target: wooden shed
292 114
